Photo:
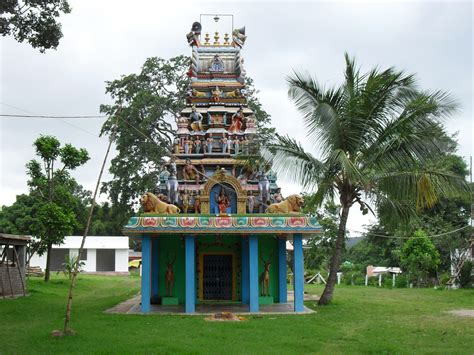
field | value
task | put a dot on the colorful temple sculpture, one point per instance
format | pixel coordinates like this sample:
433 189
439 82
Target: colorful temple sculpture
214 231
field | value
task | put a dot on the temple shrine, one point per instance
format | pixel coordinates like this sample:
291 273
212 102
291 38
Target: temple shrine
214 231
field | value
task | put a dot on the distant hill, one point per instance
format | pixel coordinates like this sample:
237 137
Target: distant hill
350 242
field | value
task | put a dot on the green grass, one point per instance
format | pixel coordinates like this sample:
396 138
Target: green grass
361 319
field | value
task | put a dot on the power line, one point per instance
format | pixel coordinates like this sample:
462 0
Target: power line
395 237
59 118
48 116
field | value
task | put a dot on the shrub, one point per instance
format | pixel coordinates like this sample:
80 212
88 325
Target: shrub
465 276
401 281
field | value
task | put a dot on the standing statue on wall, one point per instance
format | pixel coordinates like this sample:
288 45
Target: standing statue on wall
186 201
263 188
265 275
197 203
237 119
172 183
224 142
196 119
197 146
222 201
169 277
250 202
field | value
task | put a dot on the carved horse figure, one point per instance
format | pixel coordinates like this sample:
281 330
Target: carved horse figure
169 276
265 275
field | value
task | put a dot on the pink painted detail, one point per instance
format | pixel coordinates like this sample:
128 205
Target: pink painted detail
224 222
149 221
187 222
296 221
259 221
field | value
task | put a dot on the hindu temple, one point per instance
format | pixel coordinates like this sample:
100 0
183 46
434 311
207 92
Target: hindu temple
215 231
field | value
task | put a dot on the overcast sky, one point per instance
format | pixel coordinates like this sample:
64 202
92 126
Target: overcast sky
105 39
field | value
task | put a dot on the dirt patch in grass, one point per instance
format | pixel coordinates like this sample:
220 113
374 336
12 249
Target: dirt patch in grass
463 312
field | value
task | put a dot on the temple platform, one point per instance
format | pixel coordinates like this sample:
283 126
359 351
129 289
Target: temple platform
132 306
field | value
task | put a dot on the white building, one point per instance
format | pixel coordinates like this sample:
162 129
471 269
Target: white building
101 254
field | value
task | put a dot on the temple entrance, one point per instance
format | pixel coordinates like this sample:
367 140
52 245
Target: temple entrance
217 277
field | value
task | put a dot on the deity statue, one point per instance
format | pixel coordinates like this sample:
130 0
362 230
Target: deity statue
164 174
210 142
197 146
216 95
196 120
187 145
222 201
224 142
263 188
250 202
237 119
197 203
169 276
176 146
229 144
277 197
217 65
186 198
190 172
238 37
172 183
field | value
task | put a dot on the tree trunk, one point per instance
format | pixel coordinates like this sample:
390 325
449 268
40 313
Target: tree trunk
326 297
75 269
48 263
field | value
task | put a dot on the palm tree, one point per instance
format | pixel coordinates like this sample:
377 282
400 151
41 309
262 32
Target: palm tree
376 134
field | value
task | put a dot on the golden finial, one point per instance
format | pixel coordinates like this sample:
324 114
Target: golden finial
216 39
226 39
207 39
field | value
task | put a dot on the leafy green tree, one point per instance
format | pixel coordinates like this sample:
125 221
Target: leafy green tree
145 111
419 256
375 133
33 21
49 185
318 250
375 250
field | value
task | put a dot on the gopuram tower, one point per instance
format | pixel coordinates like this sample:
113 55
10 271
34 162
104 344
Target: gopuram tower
204 175
209 246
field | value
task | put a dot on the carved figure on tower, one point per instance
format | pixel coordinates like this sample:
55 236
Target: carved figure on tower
217 65
238 37
222 201
196 119
237 120
197 146
216 95
190 172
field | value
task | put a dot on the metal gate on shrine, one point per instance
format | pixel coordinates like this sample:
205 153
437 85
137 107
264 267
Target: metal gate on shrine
218 276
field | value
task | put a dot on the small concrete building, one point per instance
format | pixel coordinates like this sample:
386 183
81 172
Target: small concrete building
101 254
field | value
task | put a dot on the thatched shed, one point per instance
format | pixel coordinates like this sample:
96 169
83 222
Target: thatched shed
12 264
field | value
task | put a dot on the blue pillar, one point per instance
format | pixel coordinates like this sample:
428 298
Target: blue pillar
282 291
190 264
245 271
253 273
154 270
146 273
298 270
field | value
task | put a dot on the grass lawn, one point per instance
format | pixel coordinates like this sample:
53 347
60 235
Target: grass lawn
361 319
